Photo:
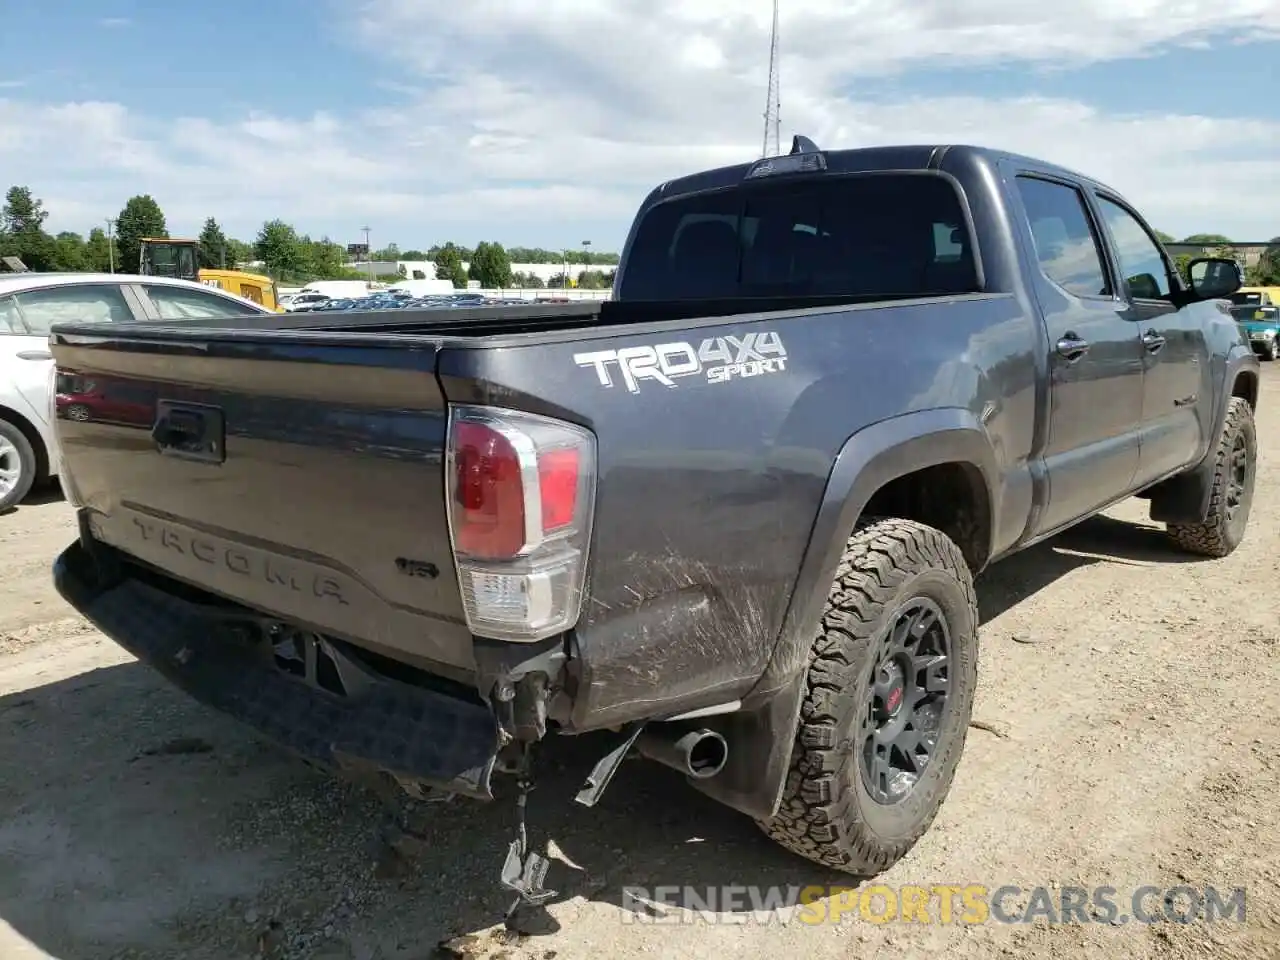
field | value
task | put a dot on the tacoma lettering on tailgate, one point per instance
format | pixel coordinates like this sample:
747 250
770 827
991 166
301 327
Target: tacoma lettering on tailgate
253 564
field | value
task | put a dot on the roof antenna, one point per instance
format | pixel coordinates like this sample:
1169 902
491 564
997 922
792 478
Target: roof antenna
773 106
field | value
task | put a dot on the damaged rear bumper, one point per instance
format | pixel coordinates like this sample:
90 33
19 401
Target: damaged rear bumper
410 733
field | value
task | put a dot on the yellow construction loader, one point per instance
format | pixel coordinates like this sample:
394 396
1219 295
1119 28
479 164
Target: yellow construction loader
171 257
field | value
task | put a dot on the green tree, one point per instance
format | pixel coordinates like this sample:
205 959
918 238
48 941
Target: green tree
1207 239
327 260
463 252
540 255
22 212
22 230
491 266
213 251
281 250
414 255
592 280
1266 272
1165 237
1180 264
141 217
70 252
97 251
389 252
527 281
238 252
448 261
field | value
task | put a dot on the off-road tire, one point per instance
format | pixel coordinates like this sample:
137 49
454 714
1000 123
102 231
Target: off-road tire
27 465
1216 535
827 814
1269 351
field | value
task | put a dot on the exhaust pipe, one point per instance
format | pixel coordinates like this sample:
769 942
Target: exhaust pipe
699 753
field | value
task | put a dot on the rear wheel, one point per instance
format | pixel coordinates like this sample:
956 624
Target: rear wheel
17 465
889 695
1269 351
1235 469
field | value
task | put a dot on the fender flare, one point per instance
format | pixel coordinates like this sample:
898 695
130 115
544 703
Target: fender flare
761 735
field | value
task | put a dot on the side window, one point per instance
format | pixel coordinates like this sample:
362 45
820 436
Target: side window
1066 245
10 322
97 302
179 303
250 292
1143 266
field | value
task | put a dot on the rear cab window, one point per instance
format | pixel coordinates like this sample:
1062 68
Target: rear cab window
856 236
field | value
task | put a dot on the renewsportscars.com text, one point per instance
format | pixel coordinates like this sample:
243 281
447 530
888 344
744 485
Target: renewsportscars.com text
935 904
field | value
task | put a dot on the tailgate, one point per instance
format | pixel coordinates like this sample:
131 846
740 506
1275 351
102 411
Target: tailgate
297 473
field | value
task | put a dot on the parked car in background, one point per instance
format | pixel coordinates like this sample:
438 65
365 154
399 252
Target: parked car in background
1257 310
29 304
337 288
302 300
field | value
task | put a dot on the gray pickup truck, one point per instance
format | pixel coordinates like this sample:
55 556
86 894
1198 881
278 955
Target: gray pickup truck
732 516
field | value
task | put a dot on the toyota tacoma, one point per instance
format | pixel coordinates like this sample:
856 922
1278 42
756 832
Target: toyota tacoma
730 519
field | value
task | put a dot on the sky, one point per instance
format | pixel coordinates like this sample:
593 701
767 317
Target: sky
546 122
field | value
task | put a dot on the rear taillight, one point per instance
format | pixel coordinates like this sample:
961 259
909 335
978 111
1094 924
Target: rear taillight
521 491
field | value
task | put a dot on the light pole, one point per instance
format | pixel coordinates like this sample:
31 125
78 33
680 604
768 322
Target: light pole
586 257
564 269
111 250
368 255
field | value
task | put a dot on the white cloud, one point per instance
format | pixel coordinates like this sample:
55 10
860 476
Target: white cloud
548 120
111 22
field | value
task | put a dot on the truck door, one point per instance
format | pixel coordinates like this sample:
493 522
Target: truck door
1176 391
1094 354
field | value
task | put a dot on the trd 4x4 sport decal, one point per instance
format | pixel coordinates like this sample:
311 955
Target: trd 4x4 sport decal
717 359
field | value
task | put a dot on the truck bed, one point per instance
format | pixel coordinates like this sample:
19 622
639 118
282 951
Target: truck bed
472 322
331 480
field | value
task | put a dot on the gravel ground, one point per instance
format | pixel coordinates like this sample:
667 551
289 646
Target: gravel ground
1126 735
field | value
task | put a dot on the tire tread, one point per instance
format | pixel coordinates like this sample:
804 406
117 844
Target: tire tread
818 817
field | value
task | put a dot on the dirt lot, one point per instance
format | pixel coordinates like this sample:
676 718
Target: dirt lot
1128 714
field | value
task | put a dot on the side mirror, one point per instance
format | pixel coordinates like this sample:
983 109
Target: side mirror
1214 277
1143 286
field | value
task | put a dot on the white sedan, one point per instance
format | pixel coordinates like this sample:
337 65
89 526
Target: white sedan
29 304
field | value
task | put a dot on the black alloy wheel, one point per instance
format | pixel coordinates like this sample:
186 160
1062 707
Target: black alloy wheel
906 703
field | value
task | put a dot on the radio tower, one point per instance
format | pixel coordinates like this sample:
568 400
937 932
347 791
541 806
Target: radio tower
773 107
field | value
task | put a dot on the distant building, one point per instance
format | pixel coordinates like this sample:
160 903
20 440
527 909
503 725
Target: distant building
412 268
1247 253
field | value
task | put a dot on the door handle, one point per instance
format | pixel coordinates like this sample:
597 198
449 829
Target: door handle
1072 347
1152 341
34 355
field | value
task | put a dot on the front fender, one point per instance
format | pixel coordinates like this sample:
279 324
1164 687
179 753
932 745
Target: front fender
761 735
